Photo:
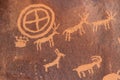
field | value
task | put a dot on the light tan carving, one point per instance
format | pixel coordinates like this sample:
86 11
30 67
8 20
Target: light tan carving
119 39
21 41
77 27
105 22
48 38
112 76
40 30
56 61
88 67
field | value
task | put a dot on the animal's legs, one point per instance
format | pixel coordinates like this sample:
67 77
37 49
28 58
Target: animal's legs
58 65
108 25
80 31
51 42
37 45
40 46
66 36
69 37
96 27
105 24
89 71
92 71
79 75
46 68
83 31
83 74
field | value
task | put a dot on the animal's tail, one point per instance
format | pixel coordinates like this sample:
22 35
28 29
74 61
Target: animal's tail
74 69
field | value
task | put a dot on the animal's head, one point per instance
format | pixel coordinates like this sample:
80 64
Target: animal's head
59 53
55 27
97 60
110 15
84 17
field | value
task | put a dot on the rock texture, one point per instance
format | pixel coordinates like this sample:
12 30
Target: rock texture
28 63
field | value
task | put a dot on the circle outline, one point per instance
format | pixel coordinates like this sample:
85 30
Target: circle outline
23 12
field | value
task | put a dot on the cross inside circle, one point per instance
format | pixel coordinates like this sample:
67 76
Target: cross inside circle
36 20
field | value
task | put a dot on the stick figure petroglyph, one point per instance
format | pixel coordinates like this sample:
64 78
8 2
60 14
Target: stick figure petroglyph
77 27
88 67
56 61
105 22
112 76
48 38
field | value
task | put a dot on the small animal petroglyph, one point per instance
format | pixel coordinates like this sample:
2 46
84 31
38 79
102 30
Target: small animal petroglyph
21 41
112 76
77 27
105 22
88 67
56 61
48 38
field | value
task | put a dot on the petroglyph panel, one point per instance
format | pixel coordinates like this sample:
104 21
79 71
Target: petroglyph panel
57 40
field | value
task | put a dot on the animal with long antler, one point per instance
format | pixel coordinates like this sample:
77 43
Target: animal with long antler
77 27
56 61
105 22
48 38
112 76
89 67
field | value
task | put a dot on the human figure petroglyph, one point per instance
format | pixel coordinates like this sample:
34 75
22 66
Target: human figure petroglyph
77 27
48 38
56 61
112 76
105 22
88 67
21 41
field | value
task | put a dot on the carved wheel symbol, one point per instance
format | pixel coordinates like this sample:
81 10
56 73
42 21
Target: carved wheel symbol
36 21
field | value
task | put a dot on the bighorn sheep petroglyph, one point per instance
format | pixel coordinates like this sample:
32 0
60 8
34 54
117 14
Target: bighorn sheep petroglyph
88 67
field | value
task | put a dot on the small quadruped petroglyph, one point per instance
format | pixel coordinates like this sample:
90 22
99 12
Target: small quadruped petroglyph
47 39
105 22
56 61
78 27
88 67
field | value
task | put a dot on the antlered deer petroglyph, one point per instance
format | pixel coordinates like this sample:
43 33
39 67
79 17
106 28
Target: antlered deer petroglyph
56 61
89 67
105 22
48 38
112 76
77 27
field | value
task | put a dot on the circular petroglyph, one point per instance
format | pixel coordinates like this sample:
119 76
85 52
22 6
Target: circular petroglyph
36 20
